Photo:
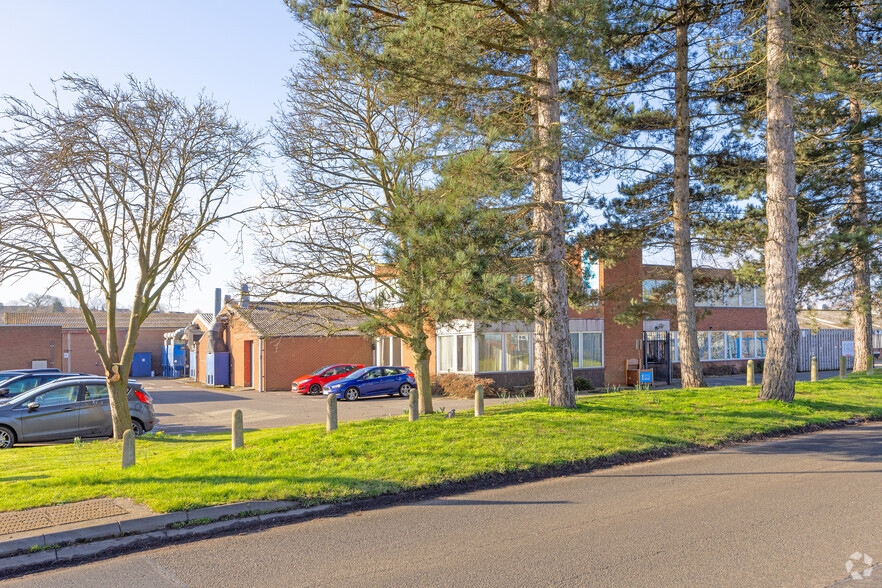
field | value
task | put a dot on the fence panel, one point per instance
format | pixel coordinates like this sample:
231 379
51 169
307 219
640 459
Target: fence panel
826 344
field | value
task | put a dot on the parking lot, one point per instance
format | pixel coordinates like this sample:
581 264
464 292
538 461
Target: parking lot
182 407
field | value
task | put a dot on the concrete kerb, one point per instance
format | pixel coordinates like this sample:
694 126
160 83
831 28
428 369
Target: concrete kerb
21 555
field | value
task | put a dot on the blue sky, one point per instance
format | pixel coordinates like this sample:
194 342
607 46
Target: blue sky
238 52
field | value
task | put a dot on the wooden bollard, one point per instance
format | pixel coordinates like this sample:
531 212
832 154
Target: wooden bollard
479 400
332 412
128 454
814 369
238 435
842 367
750 379
414 412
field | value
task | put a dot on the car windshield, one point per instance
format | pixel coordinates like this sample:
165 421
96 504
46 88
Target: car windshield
320 370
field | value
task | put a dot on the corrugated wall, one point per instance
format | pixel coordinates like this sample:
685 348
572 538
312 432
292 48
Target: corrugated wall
826 344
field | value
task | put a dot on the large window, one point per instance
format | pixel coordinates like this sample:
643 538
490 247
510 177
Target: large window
748 348
388 351
733 345
455 353
517 352
657 290
587 349
761 338
718 345
490 352
703 347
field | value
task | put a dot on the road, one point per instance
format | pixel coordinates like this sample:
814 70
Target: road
784 513
182 407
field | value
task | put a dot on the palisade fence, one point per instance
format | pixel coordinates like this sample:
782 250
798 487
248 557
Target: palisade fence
826 344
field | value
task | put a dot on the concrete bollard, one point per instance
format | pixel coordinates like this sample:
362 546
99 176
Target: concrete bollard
842 367
332 412
238 434
414 412
750 379
814 369
479 400
128 456
871 367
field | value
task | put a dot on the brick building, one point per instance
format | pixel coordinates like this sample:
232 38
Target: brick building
30 347
271 344
67 335
731 322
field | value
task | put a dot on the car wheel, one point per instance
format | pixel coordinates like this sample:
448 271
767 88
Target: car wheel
315 389
137 427
351 394
7 438
405 390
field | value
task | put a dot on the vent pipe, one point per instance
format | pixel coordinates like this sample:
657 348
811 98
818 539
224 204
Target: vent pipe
217 301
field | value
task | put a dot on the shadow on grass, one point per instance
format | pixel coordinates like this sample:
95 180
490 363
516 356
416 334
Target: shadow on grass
22 478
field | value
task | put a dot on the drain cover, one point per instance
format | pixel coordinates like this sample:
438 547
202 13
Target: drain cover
38 518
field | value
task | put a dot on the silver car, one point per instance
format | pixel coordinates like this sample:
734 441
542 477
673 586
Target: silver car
67 408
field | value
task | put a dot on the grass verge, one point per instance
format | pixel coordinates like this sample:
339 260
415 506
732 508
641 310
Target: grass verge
383 456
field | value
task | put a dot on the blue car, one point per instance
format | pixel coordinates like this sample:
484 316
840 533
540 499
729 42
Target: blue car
373 381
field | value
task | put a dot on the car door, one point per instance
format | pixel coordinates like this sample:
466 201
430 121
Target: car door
371 382
335 373
56 415
392 379
95 419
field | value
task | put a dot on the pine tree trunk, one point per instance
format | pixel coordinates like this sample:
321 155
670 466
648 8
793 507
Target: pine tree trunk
862 310
779 371
421 355
553 368
690 362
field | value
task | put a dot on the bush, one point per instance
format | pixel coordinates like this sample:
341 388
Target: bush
463 386
582 384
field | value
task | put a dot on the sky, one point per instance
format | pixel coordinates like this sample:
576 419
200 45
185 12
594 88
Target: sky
239 53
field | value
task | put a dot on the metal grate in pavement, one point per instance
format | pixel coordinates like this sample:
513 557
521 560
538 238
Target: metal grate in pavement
38 518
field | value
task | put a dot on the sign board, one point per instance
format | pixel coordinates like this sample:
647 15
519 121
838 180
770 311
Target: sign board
66 355
646 376
848 348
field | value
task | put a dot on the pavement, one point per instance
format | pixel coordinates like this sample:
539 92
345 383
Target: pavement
183 407
799 511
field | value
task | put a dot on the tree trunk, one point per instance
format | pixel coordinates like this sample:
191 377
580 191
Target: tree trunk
862 310
421 355
779 370
552 360
119 404
690 362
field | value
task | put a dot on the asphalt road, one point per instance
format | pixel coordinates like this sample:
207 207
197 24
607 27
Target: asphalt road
182 407
784 513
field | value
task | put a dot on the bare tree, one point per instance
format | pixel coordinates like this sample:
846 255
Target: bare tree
372 224
110 197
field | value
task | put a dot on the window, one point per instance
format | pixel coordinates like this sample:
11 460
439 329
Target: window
592 350
22 385
733 342
733 295
490 352
761 338
760 296
657 290
58 396
747 296
718 345
703 347
574 348
747 344
675 347
465 354
446 353
517 352
96 392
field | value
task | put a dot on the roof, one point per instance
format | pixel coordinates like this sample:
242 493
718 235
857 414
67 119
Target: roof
830 319
281 319
206 318
75 320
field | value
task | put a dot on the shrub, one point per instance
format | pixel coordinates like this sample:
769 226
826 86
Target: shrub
463 386
582 384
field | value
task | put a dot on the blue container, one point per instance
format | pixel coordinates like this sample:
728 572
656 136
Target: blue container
217 369
194 364
141 365
174 360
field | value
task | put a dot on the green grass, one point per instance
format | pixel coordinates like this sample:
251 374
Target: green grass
369 458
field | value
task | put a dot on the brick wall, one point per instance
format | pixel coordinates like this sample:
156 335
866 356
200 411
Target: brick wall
20 345
83 357
286 358
620 284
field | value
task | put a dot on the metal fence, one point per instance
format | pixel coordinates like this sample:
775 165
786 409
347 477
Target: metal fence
826 344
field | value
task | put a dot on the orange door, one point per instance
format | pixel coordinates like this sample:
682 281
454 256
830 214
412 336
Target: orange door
246 363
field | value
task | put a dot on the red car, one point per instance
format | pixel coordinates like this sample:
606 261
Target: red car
312 383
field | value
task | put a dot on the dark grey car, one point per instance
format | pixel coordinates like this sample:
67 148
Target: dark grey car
18 383
67 408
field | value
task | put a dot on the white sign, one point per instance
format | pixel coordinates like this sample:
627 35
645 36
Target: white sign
848 348
66 355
